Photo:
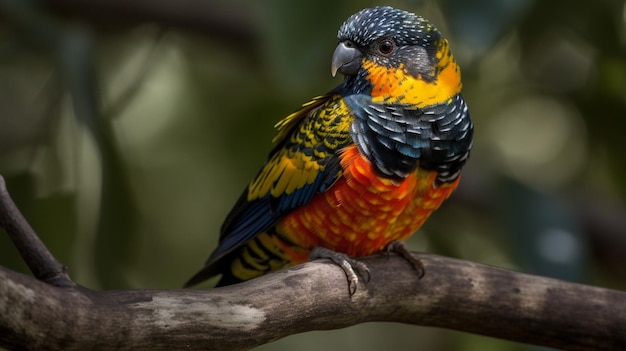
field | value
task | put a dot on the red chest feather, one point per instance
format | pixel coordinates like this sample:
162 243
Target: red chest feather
362 213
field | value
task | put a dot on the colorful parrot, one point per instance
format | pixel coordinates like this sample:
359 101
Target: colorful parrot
356 171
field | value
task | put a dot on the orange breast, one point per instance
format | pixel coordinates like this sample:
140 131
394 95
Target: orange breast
362 212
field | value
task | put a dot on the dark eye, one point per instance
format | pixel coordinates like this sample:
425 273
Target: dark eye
385 47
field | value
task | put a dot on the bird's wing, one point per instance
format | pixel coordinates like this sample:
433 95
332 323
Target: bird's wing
303 162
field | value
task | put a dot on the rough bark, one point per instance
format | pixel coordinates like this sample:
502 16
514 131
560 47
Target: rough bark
454 294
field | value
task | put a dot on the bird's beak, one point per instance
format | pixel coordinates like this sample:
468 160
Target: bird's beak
346 59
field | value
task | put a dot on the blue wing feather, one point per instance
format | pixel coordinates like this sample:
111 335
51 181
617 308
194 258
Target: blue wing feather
248 218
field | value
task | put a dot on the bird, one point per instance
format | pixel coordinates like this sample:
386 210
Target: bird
358 170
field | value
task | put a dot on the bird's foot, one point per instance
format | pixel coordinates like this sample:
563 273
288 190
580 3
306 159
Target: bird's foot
348 264
401 248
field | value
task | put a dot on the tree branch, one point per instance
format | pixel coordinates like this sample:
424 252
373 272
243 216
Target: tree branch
454 294
225 23
39 259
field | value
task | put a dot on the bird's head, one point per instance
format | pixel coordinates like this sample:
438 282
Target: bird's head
396 56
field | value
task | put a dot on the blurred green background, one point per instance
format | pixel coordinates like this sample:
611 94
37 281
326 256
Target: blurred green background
129 128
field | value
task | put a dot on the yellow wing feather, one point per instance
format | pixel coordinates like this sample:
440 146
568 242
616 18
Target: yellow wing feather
306 140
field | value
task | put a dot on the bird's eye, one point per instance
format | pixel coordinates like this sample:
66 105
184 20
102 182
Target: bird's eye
385 47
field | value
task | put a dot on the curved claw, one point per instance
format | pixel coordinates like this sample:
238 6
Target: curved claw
363 270
401 248
353 280
347 264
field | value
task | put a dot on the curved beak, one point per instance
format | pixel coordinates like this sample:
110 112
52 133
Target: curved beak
346 59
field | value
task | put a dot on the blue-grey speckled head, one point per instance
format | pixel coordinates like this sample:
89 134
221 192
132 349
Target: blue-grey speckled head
389 37
368 25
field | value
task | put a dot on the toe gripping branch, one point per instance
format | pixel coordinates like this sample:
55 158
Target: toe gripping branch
351 266
347 263
403 250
